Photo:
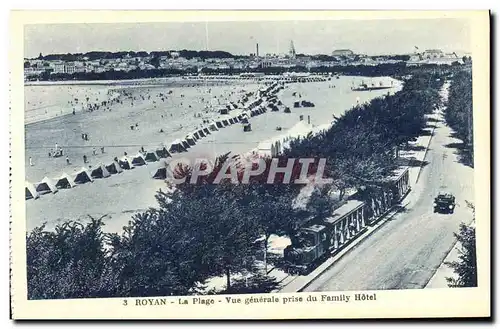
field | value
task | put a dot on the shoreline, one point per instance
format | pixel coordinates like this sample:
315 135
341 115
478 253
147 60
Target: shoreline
143 83
139 82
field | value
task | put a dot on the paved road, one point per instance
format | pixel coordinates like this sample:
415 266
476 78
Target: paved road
406 251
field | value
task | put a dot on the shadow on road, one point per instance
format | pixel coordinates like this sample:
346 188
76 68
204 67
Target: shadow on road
426 132
417 163
464 154
400 209
414 148
433 120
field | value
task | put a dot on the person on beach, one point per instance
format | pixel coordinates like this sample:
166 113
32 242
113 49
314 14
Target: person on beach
84 158
31 162
50 153
93 151
102 149
67 160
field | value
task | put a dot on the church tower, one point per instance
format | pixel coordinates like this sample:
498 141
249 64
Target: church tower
291 51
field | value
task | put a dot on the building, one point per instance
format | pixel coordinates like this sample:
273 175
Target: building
69 68
343 52
433 53
58 67
264 64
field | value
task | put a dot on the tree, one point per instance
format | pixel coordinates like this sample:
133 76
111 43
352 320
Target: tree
155 61
466 266
162 251
233 228
273 210
69 262
459 112
321 204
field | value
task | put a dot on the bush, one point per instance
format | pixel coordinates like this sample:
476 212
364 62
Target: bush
70 262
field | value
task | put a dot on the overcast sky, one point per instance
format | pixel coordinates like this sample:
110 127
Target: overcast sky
309 37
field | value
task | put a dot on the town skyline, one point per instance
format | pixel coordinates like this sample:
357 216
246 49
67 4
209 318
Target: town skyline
374 37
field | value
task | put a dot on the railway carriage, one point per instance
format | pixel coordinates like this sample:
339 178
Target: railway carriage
314 243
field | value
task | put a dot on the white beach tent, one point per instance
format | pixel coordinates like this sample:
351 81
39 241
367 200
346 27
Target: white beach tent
138 160
185 144
65 181
219 124
82 176
46 186
162 152
114 168
160 170
213 126
151 156
30 190
176 146
125 163
100 172
190 140
206 131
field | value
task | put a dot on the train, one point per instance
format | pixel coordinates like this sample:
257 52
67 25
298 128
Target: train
315 242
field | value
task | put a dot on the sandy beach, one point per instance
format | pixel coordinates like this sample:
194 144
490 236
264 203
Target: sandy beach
171 109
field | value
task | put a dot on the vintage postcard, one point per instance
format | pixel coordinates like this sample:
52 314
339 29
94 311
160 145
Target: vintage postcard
250 164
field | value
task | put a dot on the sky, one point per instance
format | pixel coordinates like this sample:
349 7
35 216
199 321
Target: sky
369 37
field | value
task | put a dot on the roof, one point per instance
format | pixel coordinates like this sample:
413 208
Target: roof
314 228
343 210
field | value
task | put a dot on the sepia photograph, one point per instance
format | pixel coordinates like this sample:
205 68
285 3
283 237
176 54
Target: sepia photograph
316 162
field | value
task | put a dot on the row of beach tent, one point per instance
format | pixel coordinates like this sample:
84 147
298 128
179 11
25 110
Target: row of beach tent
84 175
249 110
182 145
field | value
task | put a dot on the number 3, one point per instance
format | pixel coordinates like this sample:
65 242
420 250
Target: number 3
124 302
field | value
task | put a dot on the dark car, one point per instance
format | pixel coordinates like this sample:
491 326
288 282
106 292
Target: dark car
444 203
